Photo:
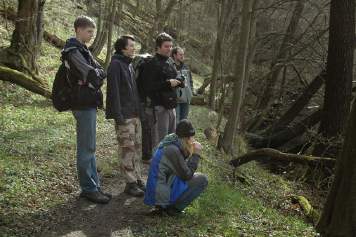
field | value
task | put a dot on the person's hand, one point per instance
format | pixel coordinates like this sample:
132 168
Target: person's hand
174 82
197 147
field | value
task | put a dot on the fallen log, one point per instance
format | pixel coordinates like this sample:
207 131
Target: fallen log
269 153
23 80
283 136
299 104
312 214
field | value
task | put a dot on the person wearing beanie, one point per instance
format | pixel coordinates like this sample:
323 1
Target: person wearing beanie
173 182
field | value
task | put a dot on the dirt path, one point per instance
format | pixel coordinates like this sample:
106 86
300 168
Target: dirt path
123 216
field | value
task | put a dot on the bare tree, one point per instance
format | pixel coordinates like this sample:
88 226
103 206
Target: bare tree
224 11
339 215
110 31
338 83
21 57
227 142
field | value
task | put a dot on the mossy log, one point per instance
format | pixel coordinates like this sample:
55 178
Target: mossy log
312 214
275 155
23 80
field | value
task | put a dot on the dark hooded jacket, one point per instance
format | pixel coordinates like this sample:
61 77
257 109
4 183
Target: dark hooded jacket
154 82
86 75
122 100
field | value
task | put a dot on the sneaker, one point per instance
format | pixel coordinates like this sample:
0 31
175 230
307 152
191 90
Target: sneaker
141 185
132 189
95 197
109 195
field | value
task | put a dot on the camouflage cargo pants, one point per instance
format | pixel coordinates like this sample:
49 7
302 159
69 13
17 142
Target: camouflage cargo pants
129 139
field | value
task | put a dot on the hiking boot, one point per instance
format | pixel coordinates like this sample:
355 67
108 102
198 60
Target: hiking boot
95 197
146 162
105 193
132 189
141 185
172 211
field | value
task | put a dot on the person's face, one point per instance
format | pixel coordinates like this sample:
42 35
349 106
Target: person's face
191 140
179 56
165 48
85 34
129 51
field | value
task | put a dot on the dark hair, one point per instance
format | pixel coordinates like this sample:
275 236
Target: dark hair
175 50
161 38
83 22
122 42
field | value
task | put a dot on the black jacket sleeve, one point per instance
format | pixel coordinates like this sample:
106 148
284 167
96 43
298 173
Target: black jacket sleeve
113 103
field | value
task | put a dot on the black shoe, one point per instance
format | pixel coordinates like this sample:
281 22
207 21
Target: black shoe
105 193
157 211
147 162
141 185
95 197
132 189
172 211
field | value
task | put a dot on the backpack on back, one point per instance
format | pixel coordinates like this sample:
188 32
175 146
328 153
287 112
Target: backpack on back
139 62
62 90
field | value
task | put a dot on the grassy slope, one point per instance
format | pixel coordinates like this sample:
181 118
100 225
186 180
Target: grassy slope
37 170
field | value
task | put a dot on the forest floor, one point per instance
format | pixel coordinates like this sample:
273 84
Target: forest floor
39 189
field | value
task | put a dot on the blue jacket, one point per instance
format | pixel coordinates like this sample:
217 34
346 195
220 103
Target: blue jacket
168 172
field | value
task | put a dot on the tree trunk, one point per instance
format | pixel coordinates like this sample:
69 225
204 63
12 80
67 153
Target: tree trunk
252 45
240 71
339 215
102 33
27 36
217 52
21 57
338 83
110 32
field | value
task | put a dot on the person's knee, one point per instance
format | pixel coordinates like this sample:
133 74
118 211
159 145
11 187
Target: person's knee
201 180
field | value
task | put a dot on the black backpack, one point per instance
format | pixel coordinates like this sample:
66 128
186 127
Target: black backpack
62 90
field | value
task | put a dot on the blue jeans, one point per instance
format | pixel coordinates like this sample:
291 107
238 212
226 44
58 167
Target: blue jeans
86 144
196 186
182 111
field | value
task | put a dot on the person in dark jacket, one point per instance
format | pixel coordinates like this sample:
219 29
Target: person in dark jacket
123 105
86 76
157 86
172 182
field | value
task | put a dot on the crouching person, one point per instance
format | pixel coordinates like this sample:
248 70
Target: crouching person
172 183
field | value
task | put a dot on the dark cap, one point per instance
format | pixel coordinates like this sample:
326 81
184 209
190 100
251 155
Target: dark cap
185 129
